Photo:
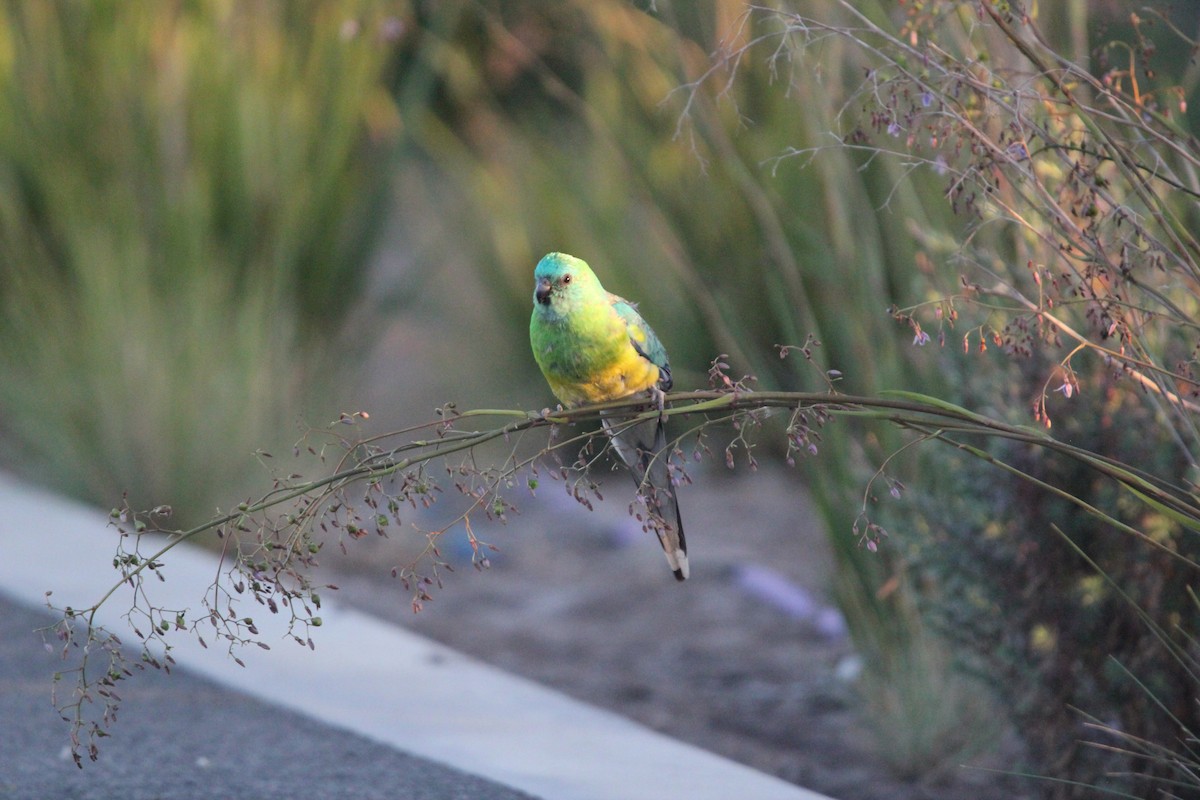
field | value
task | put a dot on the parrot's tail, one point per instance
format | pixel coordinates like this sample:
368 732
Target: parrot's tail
642 447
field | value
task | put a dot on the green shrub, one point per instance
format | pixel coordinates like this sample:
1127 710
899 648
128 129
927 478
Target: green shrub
1074 297
1061 642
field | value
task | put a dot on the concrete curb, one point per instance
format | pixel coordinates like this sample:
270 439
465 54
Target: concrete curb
379 680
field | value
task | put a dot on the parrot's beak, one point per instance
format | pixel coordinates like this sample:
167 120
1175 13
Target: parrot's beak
541 292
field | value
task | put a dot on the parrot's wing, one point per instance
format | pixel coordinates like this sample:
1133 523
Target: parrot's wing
643 339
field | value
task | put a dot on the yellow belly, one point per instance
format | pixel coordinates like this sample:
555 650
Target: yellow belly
628 375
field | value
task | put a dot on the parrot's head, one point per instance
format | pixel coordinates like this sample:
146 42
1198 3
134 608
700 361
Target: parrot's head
562 283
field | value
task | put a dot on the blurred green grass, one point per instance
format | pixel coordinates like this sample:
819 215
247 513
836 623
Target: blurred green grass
189 194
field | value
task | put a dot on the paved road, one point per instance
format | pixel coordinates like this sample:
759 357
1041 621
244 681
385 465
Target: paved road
213 743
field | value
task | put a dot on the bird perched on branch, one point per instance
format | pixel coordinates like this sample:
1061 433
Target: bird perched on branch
593 347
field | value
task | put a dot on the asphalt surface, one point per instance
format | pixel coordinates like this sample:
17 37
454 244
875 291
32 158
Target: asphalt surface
182 736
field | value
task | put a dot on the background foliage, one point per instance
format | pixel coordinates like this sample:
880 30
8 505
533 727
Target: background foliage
188 197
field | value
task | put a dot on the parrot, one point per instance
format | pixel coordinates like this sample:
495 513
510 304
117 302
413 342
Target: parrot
593 346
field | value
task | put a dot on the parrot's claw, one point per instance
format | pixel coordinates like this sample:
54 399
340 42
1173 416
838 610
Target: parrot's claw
660 401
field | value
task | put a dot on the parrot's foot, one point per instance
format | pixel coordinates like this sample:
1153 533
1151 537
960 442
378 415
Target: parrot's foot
550 415
660 401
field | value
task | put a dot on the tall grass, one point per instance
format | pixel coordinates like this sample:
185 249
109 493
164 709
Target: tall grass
188 194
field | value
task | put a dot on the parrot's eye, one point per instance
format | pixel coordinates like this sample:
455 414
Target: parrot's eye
566 278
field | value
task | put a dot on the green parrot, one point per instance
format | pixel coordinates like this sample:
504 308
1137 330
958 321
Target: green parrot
593 346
